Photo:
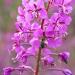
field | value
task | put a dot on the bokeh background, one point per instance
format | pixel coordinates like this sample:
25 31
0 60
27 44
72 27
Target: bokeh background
8 13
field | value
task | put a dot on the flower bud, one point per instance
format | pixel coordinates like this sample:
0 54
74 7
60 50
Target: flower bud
64 56
67 72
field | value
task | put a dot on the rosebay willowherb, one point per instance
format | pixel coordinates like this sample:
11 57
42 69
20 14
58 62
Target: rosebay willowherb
40 31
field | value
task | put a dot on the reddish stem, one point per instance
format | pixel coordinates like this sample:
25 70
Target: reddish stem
38 62
39 55
39 52
48 6
42 23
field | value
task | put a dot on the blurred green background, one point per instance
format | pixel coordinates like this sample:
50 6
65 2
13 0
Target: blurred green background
8 12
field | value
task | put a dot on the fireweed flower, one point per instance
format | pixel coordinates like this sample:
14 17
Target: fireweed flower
7 71
39 33
67 72
64 6
64 56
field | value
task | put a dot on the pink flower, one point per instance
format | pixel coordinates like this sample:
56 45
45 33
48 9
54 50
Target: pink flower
39 33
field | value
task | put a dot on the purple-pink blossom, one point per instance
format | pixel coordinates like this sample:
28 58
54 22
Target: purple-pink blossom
39 33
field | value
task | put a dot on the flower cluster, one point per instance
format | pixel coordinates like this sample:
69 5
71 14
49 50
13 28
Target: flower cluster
39 32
